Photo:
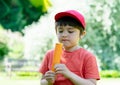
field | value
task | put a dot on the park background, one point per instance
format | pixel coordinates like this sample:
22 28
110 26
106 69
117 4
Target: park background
27 32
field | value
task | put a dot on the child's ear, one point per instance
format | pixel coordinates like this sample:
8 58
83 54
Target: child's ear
83 34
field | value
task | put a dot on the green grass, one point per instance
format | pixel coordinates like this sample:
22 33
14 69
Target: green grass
14 80
8 81
19 80
110 74
21 75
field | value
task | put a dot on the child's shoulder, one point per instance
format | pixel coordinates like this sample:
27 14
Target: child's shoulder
50 51
86 52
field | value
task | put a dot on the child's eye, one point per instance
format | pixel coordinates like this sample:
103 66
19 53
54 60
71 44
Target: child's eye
70 31
60 31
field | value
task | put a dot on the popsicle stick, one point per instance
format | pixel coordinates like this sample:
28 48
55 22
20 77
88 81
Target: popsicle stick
57 55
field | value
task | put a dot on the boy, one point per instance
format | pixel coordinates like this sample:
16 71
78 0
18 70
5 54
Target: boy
78 66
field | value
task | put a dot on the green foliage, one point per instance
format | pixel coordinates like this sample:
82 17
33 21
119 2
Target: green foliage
16 45
3 44
28 74
2 67
45 48
15 14
103 32
3 50
11 44
45 4
110 74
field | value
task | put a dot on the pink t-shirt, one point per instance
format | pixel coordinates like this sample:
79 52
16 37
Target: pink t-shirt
81 62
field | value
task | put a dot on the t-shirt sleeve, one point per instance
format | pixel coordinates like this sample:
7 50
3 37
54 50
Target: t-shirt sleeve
44 67
91 68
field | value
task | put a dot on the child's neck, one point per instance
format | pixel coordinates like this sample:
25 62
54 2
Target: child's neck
72 48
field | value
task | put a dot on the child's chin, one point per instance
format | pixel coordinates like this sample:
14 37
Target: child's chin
66 45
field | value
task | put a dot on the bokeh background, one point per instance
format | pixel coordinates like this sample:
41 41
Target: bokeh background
27 32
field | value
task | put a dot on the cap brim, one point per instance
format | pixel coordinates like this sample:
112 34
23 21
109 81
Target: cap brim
63 14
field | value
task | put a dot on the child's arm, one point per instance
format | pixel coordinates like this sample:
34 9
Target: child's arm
77 80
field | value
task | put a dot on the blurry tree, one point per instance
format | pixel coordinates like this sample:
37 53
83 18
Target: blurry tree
3 44
3 50
11 44
15 45
48 46
36 42
15 14
103 32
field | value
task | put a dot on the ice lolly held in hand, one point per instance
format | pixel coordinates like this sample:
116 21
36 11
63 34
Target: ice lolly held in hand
57 55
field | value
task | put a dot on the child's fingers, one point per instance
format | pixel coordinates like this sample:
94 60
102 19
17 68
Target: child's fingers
49 74
59 68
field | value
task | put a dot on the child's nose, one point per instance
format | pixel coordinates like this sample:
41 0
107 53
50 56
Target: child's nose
64 34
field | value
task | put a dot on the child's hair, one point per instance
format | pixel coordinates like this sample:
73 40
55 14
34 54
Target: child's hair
66 20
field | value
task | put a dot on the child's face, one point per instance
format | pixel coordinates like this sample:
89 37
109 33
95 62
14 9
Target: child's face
68 35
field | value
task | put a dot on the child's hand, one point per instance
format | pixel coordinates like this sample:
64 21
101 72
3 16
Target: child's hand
62 69
50 76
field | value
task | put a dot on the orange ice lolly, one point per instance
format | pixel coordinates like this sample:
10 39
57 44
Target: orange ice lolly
57 55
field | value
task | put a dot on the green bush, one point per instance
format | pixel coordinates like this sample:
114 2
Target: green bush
110 74
2 68
27 74
3 50
3 44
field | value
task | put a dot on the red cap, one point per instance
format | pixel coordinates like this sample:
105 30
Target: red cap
72 13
